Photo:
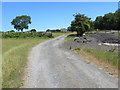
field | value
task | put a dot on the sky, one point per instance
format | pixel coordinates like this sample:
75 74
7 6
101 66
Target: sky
59 0
52 15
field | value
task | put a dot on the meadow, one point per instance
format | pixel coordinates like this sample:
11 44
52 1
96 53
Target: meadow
14 57
15 52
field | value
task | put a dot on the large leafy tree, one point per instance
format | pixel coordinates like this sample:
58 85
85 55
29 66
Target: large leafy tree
21 22
80 24
110 21
117 14
98 23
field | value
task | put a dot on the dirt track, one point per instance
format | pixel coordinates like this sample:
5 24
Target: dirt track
51 66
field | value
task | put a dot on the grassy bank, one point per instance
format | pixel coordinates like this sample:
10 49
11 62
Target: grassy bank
103 59
15 52
108 57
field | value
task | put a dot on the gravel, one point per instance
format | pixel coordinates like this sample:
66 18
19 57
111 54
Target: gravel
52 66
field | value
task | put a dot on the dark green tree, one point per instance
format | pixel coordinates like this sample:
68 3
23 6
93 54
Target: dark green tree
69 28
110 21
21 22
80 24
98 23
33 30
12 31
117 14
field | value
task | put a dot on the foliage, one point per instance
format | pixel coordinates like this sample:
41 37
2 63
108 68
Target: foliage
76 49
33 30
25 35
81 24
109 21
21 22
11 31
48 30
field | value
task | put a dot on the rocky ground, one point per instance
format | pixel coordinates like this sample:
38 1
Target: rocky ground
99 41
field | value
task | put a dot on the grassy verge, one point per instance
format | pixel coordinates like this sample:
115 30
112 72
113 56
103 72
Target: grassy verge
108 57
116 33
55 34
106 60
15 52
68 39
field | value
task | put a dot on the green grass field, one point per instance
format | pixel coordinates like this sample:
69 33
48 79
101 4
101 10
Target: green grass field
15 52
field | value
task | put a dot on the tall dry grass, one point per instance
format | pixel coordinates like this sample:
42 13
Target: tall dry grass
15 52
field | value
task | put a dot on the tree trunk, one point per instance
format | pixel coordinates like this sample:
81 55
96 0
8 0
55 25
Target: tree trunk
79 33
21 30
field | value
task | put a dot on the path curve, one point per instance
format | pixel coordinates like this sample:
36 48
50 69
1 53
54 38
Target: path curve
51 66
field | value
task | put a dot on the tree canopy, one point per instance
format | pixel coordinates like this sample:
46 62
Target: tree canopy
80 24
21 22
33 30
110 21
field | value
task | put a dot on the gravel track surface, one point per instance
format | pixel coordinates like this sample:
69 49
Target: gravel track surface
52 66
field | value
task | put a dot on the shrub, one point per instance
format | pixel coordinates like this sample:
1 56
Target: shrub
76 49
25 35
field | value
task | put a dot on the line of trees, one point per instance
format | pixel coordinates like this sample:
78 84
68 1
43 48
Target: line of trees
82 23
110 21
